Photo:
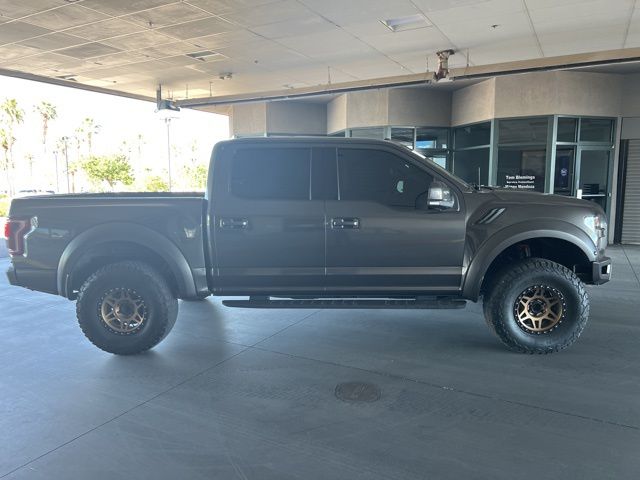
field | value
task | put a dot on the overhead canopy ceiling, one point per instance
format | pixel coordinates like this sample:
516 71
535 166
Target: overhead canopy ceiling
202 48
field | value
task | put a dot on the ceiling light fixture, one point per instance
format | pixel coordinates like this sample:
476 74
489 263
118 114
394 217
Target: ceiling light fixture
410 22
204 55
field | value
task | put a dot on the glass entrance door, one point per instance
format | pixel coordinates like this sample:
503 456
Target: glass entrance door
594 168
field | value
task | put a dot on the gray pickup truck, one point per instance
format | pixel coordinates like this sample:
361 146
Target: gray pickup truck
315 223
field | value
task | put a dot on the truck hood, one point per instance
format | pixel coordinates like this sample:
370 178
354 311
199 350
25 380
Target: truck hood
517 196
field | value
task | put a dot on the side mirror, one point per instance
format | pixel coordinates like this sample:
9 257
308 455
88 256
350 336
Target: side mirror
440 197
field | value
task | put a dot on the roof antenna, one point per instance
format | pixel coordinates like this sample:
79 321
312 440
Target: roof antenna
211 89
329 75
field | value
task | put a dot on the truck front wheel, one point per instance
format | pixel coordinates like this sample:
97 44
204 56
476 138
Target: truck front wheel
537 306
126 308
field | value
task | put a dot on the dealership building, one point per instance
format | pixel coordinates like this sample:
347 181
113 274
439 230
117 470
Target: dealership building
569 132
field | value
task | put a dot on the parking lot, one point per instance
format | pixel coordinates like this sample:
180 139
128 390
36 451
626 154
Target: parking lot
238 393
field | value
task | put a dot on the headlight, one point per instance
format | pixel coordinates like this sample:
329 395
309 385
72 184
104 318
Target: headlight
597 229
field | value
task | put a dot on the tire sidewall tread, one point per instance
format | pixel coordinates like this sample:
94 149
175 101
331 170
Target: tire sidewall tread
511 281
161 303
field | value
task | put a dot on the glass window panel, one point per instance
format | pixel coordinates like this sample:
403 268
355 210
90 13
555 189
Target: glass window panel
472 165
567 128
596 130
439 159
324 174
403 136
374 132
381 177
473 135
271 173
522 169
565 171
429 138
594 175
523 130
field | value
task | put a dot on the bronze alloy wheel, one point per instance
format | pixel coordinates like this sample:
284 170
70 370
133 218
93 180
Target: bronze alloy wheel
122 310
539 309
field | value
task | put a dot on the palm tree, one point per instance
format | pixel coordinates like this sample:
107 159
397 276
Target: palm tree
29 157
47 113
87 129
11 115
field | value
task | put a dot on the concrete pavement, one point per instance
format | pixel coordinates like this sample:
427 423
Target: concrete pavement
249 394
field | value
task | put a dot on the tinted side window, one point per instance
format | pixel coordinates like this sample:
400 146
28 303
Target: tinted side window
382 177
324 174
271 173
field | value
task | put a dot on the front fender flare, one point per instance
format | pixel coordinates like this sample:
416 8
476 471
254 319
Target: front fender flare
505 238
136 234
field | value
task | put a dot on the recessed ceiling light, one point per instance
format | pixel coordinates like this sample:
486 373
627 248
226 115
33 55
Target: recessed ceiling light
406 23
205 55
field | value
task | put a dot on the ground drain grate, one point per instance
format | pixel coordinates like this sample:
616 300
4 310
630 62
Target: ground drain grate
357 392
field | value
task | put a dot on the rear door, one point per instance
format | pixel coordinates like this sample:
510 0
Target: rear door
268 233
379 238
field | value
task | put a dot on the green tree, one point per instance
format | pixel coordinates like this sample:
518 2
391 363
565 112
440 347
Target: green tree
10 116
156 183
112 169
196 176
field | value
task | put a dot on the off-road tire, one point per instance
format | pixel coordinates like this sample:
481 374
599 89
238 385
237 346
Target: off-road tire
500 303
161 307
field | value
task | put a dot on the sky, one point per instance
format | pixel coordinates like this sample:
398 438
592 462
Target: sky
121 119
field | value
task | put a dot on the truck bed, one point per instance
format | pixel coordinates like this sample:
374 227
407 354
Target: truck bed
58 220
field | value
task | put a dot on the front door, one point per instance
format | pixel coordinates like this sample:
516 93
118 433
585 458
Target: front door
379 240
594 175
267 232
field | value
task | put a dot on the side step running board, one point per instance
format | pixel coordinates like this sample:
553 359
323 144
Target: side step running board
435 303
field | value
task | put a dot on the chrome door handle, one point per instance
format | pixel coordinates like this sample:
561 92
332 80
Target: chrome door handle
341 223
234 223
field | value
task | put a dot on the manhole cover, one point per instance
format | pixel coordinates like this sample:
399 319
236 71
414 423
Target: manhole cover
357 392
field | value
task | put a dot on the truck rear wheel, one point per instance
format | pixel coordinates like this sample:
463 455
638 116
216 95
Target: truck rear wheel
126 308
537 306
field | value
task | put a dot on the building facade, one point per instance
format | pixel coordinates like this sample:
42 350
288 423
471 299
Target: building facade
573 133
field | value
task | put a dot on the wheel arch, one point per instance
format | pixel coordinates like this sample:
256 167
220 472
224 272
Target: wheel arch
559 234
106 243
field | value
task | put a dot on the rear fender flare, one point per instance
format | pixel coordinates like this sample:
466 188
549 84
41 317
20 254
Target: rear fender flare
136 234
